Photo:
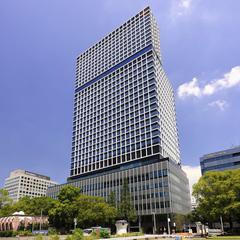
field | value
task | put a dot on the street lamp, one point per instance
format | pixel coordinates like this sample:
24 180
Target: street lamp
168 221
40 227
154 223
75 223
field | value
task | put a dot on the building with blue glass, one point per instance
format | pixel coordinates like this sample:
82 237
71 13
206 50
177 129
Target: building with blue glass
223 160
124 122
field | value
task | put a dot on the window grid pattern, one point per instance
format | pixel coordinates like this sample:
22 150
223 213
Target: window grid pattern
26 185
122 116
115 117
126 40
169 133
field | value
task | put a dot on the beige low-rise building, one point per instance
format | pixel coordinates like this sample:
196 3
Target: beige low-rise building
22 183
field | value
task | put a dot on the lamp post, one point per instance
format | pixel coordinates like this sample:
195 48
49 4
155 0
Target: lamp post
154 222
174 228
40 227
221 221
75 223
168 221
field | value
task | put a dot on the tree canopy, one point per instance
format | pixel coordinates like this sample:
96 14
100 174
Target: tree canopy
4 198
126 210
88 210
218 194
71 203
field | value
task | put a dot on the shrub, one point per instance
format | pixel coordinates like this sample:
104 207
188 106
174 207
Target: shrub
8 233
24 233
52 231
77 234
104 233
38 237
54 237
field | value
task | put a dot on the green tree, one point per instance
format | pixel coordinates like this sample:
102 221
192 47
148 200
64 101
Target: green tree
88 210
126 210
6 204
112 199
94 210
180 220
4 198
218 194
34 206
62 214
68 193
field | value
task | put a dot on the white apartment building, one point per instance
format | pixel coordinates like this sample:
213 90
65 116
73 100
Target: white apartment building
22 183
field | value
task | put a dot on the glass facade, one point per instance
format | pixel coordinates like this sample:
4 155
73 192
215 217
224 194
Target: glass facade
156 185
223 160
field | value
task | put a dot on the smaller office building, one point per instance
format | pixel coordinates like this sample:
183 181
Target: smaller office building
22 183
223 160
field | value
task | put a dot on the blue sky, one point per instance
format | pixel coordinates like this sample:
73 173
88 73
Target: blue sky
38 46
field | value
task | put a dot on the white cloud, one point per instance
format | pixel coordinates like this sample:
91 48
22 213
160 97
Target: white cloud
221 104
189 89
192 88
193 174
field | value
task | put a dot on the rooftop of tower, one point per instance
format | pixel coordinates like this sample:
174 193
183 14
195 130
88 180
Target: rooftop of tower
145 11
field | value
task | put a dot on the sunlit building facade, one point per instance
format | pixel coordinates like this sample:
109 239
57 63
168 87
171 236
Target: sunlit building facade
124 122
21 183
222 160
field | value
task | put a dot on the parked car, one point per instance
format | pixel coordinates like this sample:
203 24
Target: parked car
89 231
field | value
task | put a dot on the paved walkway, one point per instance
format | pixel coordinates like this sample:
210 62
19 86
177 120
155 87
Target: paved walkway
62 237
145 237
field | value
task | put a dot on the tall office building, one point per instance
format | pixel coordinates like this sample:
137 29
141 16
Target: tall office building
22 183
124 123
222 160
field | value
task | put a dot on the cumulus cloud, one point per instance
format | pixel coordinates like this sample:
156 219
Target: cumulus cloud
221 104
192 88
193 174
189 89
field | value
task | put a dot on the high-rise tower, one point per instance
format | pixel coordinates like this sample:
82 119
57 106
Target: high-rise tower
124 104
124 123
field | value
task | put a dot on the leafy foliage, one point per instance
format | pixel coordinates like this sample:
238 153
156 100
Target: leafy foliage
8 233
126 210
5 203
39 237
68 193
104 233
112 199
77 235
87 209
4 198
218 194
